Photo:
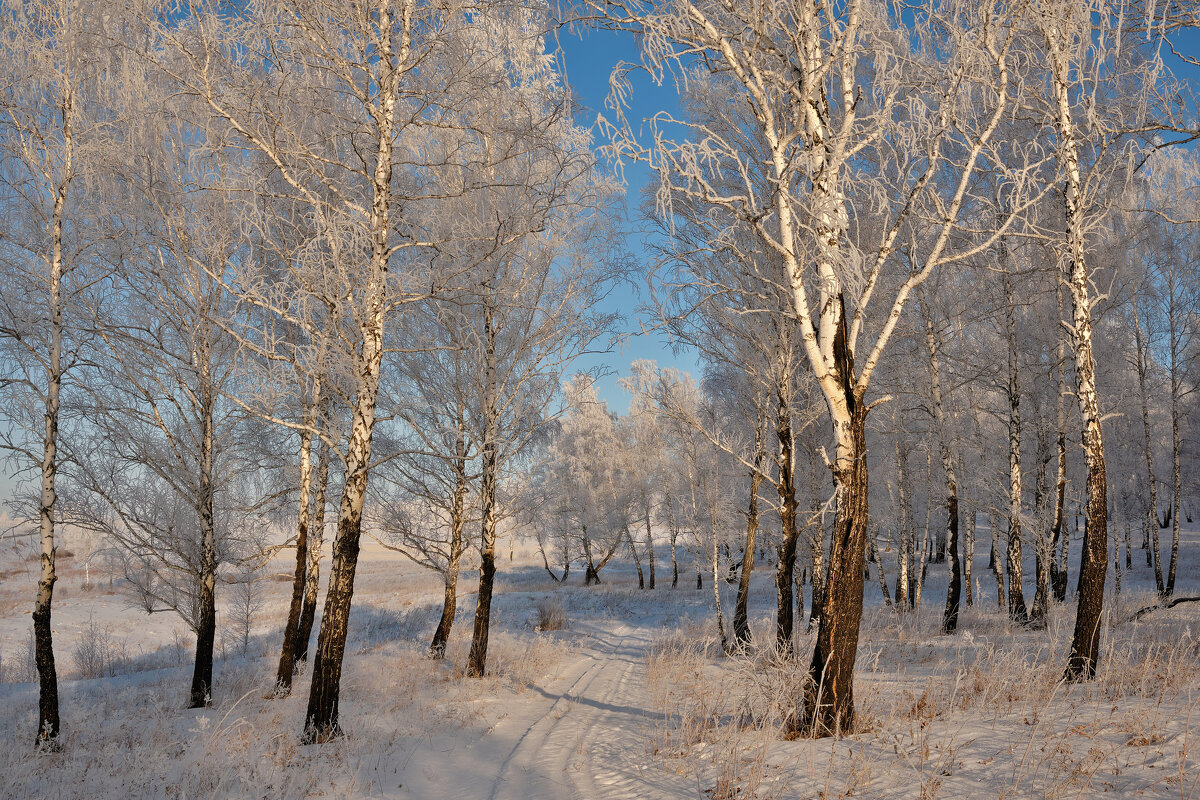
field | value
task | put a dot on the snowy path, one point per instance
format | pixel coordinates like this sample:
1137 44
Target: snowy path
581 737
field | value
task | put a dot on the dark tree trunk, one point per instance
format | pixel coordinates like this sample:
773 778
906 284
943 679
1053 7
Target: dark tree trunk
1085 644
287 654
741 624
321 719
801 576
437 647
650 545
590 576
816 539
1128 543
674 566
43 654
1177 486
637 561
829 693
477 659
954 591
206 634
994 564
1058 539
787 518
206 623
873 555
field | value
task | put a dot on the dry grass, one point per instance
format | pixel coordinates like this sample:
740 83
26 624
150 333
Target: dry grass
981 714
551 614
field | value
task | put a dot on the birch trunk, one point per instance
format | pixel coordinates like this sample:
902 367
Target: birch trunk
316 541
873 555
1176 483
954 589
437 648
1150 535
206 621
1085 645
1041 593
969 557
1058 537
741 625
829 692
787 518
904 594
477 658
321 718
922 562
49 725
637 561
1012 562
649 539
287 654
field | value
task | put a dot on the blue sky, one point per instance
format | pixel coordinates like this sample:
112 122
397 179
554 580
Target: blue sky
588 59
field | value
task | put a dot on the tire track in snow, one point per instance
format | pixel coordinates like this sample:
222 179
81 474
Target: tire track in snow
591 743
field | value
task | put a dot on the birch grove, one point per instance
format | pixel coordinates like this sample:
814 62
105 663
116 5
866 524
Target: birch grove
298 281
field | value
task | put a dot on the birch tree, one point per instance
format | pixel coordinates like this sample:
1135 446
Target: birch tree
54 125
156 475
1099 130
1171 250
814 110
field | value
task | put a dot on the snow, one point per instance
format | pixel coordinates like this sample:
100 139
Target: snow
631 700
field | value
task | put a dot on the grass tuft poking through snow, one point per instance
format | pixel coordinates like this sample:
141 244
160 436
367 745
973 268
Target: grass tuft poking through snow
981 714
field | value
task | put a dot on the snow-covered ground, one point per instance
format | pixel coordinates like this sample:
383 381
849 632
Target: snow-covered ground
631 700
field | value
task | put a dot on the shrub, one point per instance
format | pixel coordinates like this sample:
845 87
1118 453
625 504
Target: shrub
98 654
551 616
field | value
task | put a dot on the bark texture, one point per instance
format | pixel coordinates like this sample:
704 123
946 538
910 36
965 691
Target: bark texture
786 565
741 624
316 541
1150 535
441 635
1013 556
1085 644
477 658
829 696
206 621
287 652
